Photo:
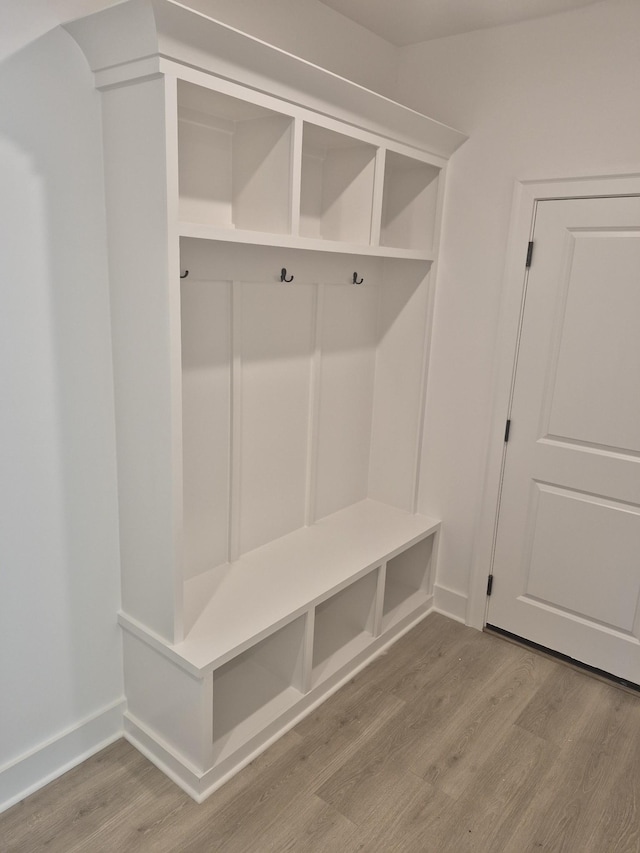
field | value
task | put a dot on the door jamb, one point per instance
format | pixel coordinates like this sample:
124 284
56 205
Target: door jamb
526 196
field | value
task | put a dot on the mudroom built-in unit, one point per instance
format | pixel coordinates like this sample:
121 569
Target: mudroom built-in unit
273 232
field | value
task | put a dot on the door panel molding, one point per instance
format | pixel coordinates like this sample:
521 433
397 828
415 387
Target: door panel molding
527 195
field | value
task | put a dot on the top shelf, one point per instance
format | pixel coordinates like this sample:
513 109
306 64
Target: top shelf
277 178
260 238
270 146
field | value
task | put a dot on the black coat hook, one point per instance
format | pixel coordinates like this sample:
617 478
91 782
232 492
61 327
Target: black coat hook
186 273
283 275
355 279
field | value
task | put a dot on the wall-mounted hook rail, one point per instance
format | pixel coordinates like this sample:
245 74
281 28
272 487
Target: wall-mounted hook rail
355 279
186 273
283 275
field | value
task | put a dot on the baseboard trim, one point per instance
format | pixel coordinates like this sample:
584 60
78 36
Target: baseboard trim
41 765
159 753
450 603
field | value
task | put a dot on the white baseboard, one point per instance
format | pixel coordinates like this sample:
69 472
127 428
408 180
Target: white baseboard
450 603
165 758
51 759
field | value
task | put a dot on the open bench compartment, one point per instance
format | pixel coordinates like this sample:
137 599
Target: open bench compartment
255 688
407 581
344 626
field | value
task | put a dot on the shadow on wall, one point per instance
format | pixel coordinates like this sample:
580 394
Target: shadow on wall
59 585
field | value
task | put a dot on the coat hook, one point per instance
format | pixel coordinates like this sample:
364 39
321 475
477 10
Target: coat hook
283 275
355 279
186 273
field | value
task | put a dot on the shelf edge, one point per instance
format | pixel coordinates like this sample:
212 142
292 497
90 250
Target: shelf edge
197 231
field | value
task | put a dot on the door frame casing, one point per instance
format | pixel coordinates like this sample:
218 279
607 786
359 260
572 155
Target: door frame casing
526 196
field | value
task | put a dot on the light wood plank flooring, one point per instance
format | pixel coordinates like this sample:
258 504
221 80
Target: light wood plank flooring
453 741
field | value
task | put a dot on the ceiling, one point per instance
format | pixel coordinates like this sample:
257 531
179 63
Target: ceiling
404 22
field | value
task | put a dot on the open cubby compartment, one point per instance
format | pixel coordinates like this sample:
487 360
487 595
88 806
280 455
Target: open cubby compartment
409 203
408 581
256 687
234 162
344 626
336 194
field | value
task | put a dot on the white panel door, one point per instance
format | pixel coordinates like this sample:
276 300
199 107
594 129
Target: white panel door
567 559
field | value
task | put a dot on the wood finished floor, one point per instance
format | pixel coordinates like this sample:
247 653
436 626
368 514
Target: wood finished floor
453 741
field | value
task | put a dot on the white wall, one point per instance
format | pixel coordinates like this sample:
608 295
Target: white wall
60 653
315 32
548 98
24 22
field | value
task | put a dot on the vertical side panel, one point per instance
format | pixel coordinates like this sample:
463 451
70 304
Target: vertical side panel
381 579
296 175
236 421
170 704
175 355
378 196
307 663
142 261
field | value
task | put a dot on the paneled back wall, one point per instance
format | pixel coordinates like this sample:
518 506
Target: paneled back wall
299 398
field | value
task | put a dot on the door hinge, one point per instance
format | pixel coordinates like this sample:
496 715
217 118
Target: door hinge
489 584
529 254
507 430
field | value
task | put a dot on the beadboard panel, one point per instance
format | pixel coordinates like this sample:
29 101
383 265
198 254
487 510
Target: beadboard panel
348 346
273 334
206 422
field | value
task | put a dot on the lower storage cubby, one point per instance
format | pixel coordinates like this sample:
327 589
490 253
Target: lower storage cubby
257 687
284 626
408 581
344 626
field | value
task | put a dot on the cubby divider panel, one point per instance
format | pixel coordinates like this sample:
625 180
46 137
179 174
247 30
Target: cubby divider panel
344 626
336 199
409 203
253 689
407 581
234 162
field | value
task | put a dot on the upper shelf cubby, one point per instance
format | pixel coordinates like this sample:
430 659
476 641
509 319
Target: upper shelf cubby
272 149
337 181
234 162
409 202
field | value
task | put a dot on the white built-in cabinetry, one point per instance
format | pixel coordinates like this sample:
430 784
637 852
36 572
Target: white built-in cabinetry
272 237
